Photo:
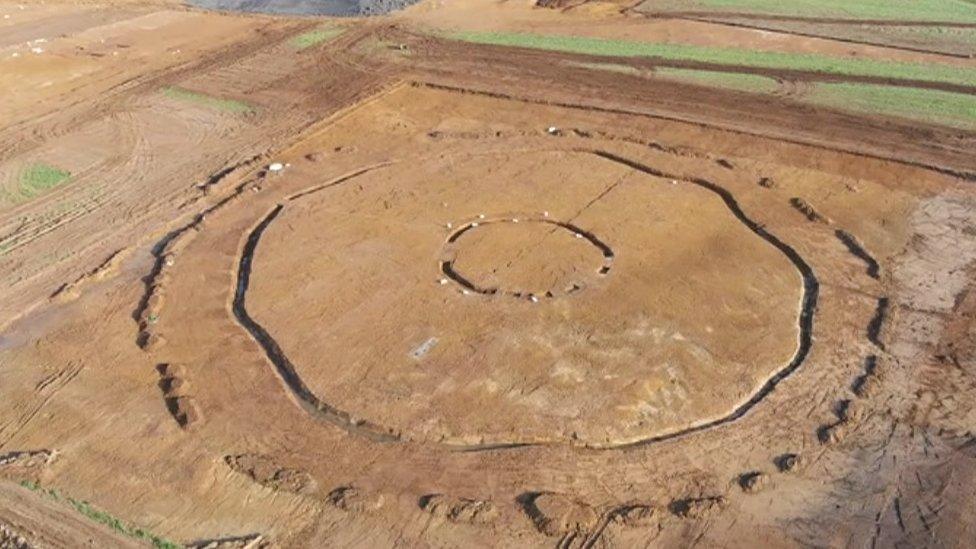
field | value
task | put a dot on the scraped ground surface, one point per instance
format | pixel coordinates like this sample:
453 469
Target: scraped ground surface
495 296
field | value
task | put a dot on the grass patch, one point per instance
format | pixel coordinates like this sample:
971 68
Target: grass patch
729 80
609 67
726 56
895 10
948 109
716 79
227 105
936 38
316 37
39 178
102 517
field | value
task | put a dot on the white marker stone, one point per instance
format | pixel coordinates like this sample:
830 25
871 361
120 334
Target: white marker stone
276 167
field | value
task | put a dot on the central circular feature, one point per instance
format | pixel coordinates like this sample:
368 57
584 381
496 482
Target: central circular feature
524 257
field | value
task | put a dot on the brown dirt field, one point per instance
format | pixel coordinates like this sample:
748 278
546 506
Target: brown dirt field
492 298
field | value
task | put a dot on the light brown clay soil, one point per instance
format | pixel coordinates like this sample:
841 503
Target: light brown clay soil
492 298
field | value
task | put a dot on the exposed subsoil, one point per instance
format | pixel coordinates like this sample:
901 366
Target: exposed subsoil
492 298
307 7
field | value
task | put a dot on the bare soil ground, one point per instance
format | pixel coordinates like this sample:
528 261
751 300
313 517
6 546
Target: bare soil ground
492 297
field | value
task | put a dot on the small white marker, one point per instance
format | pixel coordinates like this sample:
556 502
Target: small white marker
514 220
442 281
475 224
579 235
533 299
674 182
449 225
276 167
545 214
481 216
465 292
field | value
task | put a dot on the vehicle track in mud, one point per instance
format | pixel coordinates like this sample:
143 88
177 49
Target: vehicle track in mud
320 410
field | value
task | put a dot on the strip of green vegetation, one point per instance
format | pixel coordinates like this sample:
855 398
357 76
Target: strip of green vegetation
933 106
102 517
716 79
729 80
228 105
39 178
609 67
316 37
727 56
938 107
896 10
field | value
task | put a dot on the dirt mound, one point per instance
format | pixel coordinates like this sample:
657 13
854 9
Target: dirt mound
349 498
265 471
558 515
9 539
459 509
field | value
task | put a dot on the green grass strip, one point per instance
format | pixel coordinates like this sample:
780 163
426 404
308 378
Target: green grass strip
959 11
716 79
609 67
726 56
948 109
316 37
227 105
102 517
40 177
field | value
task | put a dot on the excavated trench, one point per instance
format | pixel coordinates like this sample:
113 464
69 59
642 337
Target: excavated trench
451 272
322 411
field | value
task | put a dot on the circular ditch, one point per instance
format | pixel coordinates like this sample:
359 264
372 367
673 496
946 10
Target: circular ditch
524 257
